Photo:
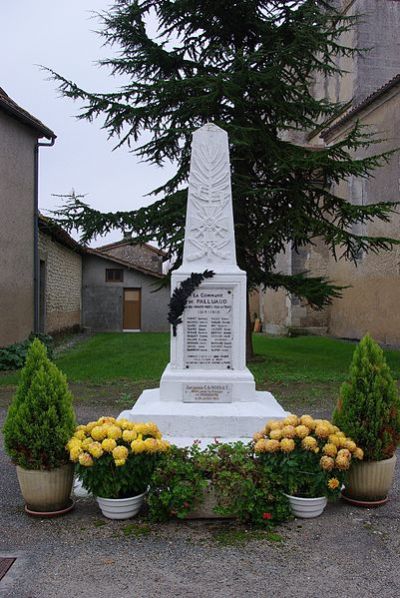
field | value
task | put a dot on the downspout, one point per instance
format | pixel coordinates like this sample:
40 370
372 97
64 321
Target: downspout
36 262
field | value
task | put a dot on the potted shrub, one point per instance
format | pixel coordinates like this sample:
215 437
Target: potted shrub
311 458
39 422
223 480
115 460
368 410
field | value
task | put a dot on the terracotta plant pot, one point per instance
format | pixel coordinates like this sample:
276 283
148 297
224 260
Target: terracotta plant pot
46 491
370 481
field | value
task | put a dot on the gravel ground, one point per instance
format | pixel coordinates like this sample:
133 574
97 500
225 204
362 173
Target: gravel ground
346 552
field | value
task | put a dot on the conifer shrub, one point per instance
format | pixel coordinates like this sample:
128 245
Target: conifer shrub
40 419
368 409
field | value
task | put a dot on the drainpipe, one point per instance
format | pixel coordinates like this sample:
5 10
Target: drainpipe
36 262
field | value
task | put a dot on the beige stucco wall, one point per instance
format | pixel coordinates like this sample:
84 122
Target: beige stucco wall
17 144
63 284
372 303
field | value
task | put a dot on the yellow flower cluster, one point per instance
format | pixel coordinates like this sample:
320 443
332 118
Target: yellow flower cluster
118 437
314 435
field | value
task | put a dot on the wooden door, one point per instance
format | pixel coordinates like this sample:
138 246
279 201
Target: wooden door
132 309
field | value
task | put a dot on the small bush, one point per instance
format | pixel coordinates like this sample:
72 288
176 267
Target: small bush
13 357
40 419
368 409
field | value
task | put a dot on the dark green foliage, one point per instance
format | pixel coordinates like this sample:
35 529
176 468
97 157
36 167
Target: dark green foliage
247 66
107 480
242 486
13 357
368 409
40 419
181 294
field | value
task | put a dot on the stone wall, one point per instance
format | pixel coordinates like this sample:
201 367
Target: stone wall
17 143
103 301
63 268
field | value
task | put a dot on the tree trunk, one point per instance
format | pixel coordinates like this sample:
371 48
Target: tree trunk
249 333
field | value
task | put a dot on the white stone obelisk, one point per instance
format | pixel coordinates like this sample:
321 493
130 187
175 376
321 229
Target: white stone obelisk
206 391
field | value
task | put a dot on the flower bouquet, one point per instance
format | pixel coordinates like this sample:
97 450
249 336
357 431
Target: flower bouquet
310 456
115 459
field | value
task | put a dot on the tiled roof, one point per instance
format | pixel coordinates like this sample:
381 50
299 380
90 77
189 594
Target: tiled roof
363 104
107 256
11 107
129 241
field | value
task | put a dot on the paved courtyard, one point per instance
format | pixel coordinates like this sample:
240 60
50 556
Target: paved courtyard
347 552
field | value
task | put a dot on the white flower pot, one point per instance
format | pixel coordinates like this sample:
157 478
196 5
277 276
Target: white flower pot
306 508
121 508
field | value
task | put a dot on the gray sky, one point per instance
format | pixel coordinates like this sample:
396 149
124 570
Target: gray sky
60 34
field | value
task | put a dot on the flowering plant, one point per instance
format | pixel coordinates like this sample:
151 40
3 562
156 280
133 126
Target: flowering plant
312 456
115 457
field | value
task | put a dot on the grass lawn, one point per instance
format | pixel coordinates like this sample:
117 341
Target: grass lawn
298 370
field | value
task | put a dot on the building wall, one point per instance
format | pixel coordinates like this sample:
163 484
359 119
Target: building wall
103 301
138 254
17 144
63 284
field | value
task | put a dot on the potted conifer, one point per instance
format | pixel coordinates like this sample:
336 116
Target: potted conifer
38 425
368 410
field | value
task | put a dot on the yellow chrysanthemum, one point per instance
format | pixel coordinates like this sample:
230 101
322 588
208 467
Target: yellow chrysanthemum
151 445
73 442
307 420
257 436
81 427
120 452
85 459
80 434
276 424
342 462
288 431
287 445
271 446
164 445
302 431
350 445
359 453
147 429
309 443
86 443
259 446
291 420
322 430
74 453
138 446
108 445
95 449
345 453
99 432
333 483
114 432
90 426
119 462
327 463
129 435
334 439
330 449
276 434
106 420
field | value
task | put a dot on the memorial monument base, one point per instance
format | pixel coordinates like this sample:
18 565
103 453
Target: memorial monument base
182 423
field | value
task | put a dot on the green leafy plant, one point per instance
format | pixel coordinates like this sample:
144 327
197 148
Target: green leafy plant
41 418
368 408
309 457
242 487
13 356
115 457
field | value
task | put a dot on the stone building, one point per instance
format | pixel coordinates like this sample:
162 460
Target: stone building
370 91
144 255
19 262
119 295
60 279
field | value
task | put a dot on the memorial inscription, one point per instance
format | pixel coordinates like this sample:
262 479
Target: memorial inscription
208 329
207 393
